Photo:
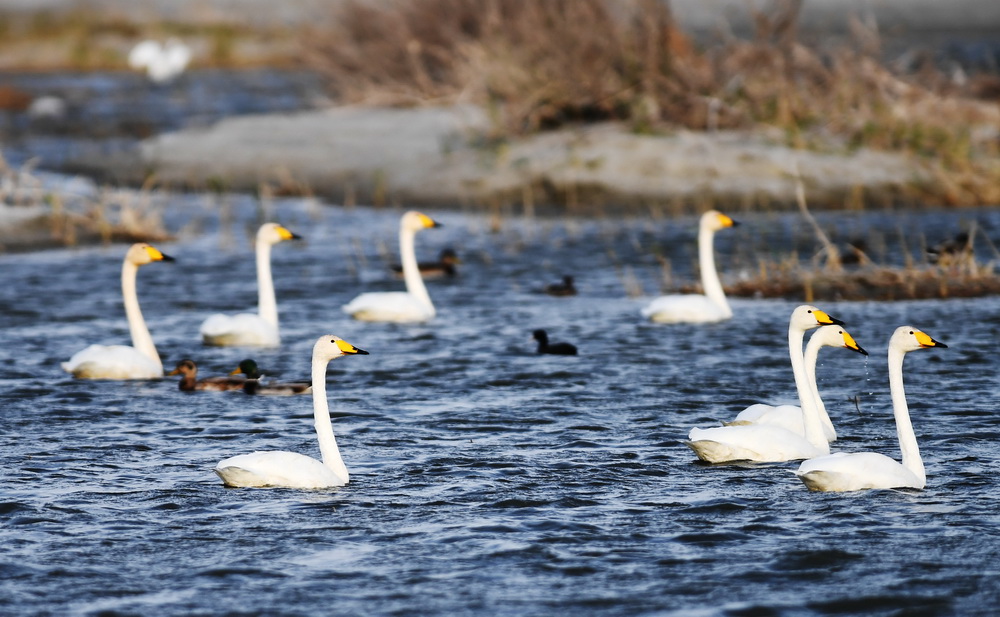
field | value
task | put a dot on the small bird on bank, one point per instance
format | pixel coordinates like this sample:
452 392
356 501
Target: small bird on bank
559 349
189 379
254 385
443 267
565 288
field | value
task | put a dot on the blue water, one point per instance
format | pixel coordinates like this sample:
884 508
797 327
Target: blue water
486 479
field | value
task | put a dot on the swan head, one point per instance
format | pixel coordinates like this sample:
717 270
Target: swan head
273 233
141 253
247 367
806 317
416 221
836 336
908 338
328 347
713 220
186 368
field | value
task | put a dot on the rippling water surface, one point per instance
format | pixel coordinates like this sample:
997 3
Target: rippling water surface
486 479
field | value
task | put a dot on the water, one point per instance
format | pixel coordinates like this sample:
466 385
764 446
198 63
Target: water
486 480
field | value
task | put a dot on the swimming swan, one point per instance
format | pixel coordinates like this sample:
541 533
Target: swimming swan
252 329
290 469
804 317
768 443
844 471
411 306
140 361
694 308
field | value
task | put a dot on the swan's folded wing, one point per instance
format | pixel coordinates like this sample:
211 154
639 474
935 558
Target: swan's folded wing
855 471
112 362
684 309
397 306
241 329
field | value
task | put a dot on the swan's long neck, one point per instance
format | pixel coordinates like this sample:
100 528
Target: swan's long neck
267 306
141 338
709 275
904 428
411 272
324 428
821 413
812 417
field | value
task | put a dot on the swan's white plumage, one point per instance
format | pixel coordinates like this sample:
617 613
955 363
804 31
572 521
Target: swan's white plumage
771 443
252 329
411 306
290 469
112 362
866 470
804 317
141 360
694 308
161 62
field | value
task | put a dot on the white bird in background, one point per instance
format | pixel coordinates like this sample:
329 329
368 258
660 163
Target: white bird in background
764 443
253 329
140 361
291 469
411 306
844 471
804 317
695 308
162 63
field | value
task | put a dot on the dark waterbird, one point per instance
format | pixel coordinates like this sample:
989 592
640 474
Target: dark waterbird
565 288
560 349
443 267
254 385
189 379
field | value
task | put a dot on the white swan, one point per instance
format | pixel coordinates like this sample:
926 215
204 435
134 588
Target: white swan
695 308
250 329
411 306
161 62
291 469
140 361
862 470
769 443
804 317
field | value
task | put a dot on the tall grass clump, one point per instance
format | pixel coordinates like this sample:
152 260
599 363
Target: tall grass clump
539 65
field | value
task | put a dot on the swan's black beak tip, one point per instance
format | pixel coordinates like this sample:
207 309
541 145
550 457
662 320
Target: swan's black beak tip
165 257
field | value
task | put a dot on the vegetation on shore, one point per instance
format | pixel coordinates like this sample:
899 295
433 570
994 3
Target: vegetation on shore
38 216
542 65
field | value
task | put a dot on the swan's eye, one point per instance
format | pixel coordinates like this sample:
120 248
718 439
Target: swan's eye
911 331
809 311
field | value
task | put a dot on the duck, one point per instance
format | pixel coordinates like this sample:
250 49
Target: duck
290 469
565 288
443 267
803 318
411 306
559 349
765 443
189 379
697 308
253 384
258 329
141 360
855 471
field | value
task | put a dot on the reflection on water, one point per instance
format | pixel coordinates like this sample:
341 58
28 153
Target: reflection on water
486 479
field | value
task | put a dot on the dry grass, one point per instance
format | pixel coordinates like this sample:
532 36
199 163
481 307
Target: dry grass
38 217
539 65
90 40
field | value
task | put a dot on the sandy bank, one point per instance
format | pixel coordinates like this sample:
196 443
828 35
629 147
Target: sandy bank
439 156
